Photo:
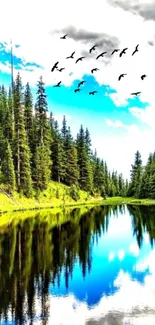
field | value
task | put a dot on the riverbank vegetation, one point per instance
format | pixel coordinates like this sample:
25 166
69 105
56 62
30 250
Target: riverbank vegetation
42 165
34 150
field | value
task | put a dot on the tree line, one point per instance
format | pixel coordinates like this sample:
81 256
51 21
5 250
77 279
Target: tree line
35 150
142 183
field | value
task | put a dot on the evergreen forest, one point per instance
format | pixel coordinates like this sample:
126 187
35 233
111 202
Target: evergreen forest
34 150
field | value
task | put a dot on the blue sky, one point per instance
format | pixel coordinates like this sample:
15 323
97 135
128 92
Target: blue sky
119 124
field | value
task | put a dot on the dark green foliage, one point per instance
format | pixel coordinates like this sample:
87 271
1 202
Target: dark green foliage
33 147
7 168
74 192
28 116
21 148
42 170
136 176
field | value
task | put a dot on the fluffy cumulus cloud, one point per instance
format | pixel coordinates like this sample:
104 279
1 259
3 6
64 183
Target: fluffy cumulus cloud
36 29
133 303
119 148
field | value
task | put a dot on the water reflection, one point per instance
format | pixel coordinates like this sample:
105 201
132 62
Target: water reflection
96 268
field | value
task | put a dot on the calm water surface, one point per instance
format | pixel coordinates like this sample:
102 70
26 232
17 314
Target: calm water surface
98 267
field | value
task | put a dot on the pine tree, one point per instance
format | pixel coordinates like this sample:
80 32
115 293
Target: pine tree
21 149
136 175
28 115
41 109
7 168
9 122
43 133
85 169
43 164
72 170
88 142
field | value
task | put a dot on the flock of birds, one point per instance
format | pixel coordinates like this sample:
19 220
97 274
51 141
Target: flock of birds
93 48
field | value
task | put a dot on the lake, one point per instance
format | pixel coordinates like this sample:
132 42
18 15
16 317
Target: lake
85 266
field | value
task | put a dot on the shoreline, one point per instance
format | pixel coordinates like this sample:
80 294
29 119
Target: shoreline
34 205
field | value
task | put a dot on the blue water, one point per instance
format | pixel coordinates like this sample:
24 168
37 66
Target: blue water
117 288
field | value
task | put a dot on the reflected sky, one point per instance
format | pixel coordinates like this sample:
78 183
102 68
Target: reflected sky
119 288
115 251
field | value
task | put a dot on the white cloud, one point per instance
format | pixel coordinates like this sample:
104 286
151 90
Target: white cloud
39 43
119 124
33 26
121 254
146 238
133 303
111 256
118 150
146 115
116 123
134 249
148 262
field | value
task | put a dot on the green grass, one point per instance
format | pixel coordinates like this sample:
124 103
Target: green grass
57 195
131 201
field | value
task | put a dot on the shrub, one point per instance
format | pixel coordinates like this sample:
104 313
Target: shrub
74 193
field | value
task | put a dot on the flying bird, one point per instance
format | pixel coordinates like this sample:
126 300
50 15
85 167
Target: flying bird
92 48
100 55
123 51
55 66
121 76
92 92
64 37
71 56
76 90
95 69
143 76
58 84
61 69
116 50
80 59
137 93
136 50
81 83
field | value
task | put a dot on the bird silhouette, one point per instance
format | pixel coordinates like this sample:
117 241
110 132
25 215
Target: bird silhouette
64 37
80 59
137 93
81 83
92 92
100 55
58 84
76 90
136 50
121 76
92 48
95 69
71 56
116 50
143 76
123 51
61 69
55 66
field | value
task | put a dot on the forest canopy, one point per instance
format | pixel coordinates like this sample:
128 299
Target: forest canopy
35 150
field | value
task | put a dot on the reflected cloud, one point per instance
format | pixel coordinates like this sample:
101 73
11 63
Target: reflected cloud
111 256
121 254
133 304
96 268
134 249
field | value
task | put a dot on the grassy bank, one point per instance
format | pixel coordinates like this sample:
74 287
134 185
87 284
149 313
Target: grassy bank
57 195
